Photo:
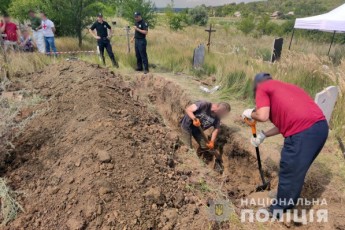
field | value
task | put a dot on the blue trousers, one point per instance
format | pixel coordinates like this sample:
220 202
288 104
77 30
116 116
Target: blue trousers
298 153
50 43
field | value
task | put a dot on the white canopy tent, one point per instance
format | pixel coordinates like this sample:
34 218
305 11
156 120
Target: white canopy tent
333 21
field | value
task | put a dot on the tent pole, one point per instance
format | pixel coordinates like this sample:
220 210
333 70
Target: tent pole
293 33
330 47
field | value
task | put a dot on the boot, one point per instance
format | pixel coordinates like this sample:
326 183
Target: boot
115 64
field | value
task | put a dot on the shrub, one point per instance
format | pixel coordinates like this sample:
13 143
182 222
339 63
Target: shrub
198 15
246 25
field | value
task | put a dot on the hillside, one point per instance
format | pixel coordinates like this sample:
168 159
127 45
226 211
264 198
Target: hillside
300 8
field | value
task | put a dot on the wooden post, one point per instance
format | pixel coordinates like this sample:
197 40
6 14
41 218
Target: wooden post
210 31
293 33
5 66
330 47
128 29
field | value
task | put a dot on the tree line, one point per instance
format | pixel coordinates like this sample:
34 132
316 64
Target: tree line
73 16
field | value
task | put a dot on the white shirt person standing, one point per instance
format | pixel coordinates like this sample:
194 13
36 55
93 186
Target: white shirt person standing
48 29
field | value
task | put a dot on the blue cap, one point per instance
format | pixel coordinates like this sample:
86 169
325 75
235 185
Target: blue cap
260 77
136 14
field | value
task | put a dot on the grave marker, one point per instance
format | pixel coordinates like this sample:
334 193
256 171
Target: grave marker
277 49
326 100
199 56
210 31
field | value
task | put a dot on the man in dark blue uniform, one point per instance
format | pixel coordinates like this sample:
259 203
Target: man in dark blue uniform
141 30
103 38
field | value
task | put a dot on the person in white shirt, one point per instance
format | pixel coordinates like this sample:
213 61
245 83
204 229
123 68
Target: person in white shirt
48 29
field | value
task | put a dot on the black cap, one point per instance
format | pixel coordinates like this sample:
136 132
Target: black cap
100 15
136 14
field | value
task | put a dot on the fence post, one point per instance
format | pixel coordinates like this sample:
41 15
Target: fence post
128 39
3 51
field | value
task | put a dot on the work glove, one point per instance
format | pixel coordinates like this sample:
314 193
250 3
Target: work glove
247 113
259 139
196 122
210 145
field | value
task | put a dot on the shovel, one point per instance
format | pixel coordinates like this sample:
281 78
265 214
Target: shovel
265 185
218 162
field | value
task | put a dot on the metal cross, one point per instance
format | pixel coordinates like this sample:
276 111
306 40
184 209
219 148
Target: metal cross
210 31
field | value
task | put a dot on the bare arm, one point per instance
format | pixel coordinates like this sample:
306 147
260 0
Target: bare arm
262 114
93 34
190 111
214 135
2 28
110 33
141 31
272 132
54 30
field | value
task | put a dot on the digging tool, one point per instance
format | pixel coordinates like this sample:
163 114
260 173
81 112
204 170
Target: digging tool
265 185
218 166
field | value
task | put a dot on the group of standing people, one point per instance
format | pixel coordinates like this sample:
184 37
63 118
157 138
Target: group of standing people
42 38
43 30
103 35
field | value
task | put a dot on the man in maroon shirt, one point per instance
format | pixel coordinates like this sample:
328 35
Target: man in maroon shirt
9 29
303 125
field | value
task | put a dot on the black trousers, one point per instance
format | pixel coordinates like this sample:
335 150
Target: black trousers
140 52
104 43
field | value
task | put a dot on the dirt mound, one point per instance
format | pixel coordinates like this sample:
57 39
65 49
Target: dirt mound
93 157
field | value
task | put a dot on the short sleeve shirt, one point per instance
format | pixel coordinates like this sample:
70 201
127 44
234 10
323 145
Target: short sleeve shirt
204 114
10 31
101 28
47 28
292 110
143 26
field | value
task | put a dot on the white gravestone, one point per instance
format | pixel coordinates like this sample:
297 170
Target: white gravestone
326 100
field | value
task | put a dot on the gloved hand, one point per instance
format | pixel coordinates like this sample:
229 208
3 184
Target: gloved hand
210 145
196 122
259 139
247 113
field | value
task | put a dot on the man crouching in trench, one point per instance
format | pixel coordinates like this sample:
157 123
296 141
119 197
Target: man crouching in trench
204 115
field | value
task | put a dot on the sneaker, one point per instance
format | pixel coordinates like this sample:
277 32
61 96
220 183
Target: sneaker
146 71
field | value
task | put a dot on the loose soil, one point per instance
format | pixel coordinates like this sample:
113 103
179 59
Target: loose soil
102 151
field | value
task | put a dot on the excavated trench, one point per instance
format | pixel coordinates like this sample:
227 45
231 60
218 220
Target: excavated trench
240 177
99 152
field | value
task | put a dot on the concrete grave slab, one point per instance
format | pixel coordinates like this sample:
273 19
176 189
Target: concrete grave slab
326 100
199 56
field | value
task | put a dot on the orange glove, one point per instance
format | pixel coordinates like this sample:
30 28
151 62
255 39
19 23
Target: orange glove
210 145
196 122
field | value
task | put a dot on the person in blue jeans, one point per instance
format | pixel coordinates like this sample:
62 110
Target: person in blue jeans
303 125
48 29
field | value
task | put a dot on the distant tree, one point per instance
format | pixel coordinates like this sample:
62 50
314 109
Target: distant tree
70 17
146 7
175 21
198 15
246 25
4 6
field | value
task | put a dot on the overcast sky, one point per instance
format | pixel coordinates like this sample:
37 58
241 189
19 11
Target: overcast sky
191 3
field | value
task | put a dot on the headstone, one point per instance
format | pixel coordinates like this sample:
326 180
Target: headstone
277 49
326 100
199 56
